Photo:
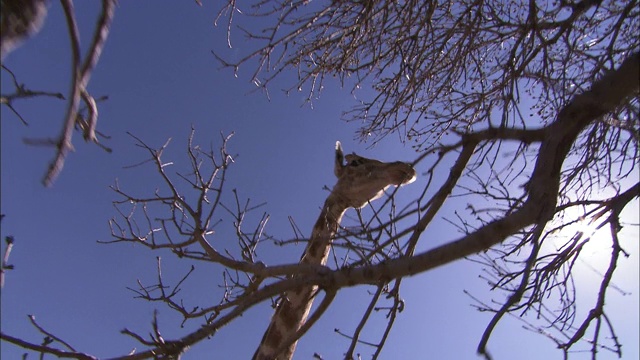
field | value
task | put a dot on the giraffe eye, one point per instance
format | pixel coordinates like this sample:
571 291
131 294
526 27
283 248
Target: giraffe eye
354 163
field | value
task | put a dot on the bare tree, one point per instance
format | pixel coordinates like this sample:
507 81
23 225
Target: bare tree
530 108
551 86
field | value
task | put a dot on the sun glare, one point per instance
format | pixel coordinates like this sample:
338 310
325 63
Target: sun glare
593 234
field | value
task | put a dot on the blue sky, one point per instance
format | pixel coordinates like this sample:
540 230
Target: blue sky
160 76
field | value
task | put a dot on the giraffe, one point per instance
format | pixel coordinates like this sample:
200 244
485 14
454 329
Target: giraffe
360 180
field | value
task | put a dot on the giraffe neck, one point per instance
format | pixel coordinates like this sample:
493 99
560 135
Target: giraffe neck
293 308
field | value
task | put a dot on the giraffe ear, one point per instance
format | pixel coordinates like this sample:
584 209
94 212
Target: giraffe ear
339 162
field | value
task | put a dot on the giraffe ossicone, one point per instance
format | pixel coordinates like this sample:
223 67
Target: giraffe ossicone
360 180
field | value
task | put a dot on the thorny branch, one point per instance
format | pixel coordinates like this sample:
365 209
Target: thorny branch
472 68
9 240
194 221
434 67
81 74
453 78
539 191
22 92
47 342
80 79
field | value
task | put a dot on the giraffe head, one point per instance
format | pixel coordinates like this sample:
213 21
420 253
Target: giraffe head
361 180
